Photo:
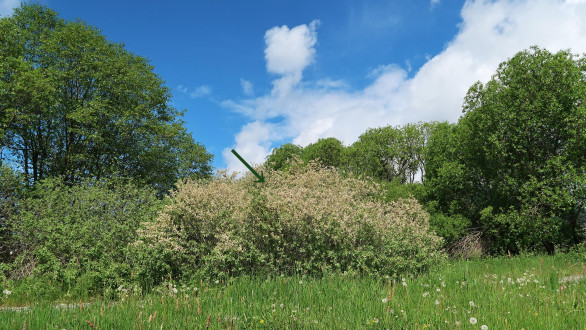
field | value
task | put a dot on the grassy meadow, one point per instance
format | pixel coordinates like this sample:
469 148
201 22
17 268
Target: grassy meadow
528 292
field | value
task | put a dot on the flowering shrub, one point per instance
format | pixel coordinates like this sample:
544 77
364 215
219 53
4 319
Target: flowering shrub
308 219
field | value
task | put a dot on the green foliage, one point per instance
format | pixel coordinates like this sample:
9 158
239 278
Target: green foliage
11 189
390 153
78 235
519 150
280 157
76 105
450 228
307 220
329 152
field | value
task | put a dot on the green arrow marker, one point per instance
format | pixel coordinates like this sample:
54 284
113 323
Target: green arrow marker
260 177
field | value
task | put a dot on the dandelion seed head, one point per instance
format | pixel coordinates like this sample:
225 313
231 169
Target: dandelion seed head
473 320
484 327
385 300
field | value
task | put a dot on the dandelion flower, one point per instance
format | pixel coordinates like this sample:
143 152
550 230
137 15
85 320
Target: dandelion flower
262 321
385 300
473 320
484 327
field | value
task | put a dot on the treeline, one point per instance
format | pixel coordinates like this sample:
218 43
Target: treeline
510 173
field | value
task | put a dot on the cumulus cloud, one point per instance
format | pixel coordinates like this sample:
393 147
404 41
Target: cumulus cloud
7 6
304 111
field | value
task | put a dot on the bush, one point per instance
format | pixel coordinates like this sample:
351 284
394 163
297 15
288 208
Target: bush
451 228
11 187
306 220
78 234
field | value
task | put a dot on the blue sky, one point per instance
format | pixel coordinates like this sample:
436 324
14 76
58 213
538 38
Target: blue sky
253 75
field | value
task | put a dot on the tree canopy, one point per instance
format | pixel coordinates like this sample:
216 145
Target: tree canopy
76 105
515 162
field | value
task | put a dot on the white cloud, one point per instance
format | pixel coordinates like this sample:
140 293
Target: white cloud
201 91
252 143
7 6
490 32
290 50
182 89
247 87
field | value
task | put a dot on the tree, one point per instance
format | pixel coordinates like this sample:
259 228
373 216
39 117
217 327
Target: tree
279 157
76 105
329 152
522 141
390 153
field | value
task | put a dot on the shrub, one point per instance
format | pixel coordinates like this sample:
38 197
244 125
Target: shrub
78 234
308 219
11 187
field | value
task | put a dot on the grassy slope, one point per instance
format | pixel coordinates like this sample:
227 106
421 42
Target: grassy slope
540 292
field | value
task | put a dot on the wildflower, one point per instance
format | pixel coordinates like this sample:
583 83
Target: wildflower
438 290
473 320
484 327
404 284
472 304
217 281
444 284
262 321
282 305
7 292
385 300
425 294
375 320
458 323
174 290
437 302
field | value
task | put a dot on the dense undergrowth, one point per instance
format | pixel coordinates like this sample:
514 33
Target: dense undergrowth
90 238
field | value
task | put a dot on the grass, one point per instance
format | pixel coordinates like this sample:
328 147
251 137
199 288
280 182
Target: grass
530 292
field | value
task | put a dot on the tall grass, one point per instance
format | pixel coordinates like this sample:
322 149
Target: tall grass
537 292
